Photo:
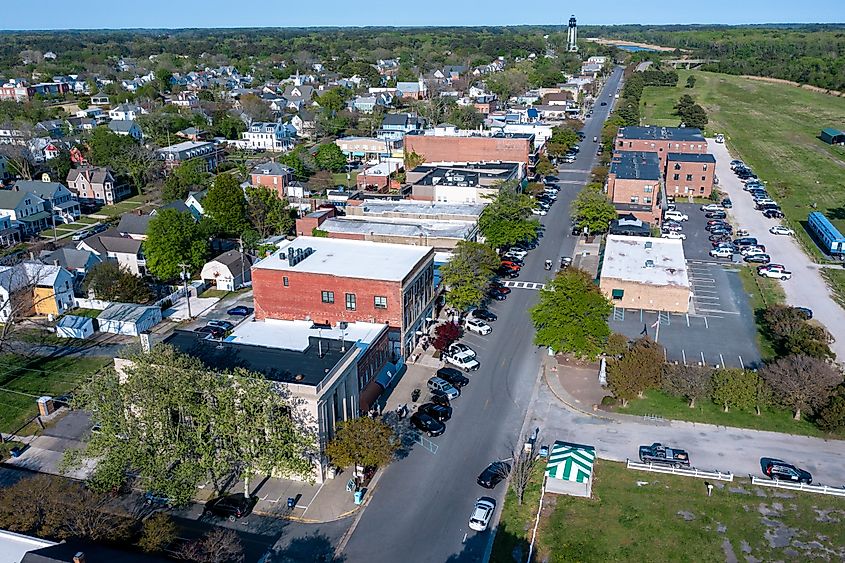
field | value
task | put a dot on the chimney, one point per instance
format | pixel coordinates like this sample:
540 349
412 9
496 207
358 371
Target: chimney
55 262
79 557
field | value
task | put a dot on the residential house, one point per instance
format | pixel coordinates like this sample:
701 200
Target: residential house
303 94
25 211
185 100
100 100
413 90
305 123
77 262
51 128
272 175
194 203
368 103
174 155
193 134
126 128
127 252
268 136
57 199
32 288
96 185
229 271
395 126
128 319
135 225
9 234
11 135
127 112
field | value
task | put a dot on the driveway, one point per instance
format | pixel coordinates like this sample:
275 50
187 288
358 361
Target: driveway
807 288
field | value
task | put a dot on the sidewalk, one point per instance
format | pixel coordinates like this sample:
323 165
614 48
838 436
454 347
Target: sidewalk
314 503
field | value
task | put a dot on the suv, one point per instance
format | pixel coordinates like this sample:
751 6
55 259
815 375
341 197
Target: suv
483 510
722 252
437 412
493 474
425 423
484 315
477 326
778 470
232 506
441 386
453 376
675 216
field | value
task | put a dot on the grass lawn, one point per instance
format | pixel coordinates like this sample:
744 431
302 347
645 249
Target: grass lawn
81 312
762 292
640 516
658 403
836 279
773 128
339 178
85 220
23 380
517 522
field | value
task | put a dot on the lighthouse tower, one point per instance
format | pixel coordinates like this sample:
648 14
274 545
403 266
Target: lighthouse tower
572 36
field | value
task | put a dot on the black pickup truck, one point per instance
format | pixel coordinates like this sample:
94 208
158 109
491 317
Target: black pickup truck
658 453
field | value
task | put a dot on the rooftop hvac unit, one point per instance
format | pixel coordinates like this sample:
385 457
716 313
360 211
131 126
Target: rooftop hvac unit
649 263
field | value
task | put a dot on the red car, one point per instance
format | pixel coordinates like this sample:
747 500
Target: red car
511 265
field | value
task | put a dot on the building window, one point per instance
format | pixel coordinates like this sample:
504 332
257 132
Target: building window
705 168
635 199
704 178
689 177
676 177
647 200
648 189
617 294
350 301
285 281
328 297
380 302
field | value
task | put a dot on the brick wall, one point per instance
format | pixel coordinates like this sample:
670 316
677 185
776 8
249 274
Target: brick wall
468 149
267 182
662 148
622 190
689 178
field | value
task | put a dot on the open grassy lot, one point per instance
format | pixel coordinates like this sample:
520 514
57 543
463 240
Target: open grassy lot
517 522
773 128
639 516
658 403
23 380
762 292
124 206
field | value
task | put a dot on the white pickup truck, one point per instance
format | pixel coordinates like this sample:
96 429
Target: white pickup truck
778 273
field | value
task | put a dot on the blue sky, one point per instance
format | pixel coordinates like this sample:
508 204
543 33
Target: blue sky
96 14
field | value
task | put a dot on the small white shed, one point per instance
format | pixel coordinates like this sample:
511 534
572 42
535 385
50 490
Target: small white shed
72 326
128 319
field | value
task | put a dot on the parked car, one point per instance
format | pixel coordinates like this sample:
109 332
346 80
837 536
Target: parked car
758 258
484 315
517 253
239 311
482 512
427 424
538 211
711 207
214 331
719 238
444 387
658 453
79 235
778 470
674 235
716 215
722 252
676 216
232 506
461 348
453 376
781 230
437 412
727 203
462 360
773 213
511 264
808 313
745 241
505 272
223 325
753 249
775 274
494 474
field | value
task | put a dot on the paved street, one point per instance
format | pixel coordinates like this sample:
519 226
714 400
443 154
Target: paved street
807 288
421 504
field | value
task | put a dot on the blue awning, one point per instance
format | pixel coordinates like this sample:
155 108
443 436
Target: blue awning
386 375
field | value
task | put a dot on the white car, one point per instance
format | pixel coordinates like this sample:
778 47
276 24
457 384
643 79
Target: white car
461 348
722 253
516 253
462 360
675 235
711 207
675 216
538 211
781 230
482 512
753 249
478 326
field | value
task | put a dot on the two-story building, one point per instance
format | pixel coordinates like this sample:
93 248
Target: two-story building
395 126
660 140
208 152
268 136
329 280
126 112
634 185
690 174
95 185
25 211
126 128
58 200
447 143
272 175
32 288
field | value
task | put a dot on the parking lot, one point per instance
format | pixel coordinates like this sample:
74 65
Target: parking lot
719 307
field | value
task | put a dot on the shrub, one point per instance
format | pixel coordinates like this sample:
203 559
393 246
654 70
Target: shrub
608 401
831 417
445 334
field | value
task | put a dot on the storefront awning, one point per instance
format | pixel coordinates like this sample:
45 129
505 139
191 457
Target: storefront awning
386 375
369 395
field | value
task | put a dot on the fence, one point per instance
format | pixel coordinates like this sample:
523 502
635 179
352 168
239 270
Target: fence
820 489
691 472
98 304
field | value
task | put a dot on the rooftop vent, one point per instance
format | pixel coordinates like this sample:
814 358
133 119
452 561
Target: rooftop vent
648 244
649 263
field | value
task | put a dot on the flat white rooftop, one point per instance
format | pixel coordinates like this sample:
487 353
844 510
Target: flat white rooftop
650 261
421 208
294 335
398 227
347 258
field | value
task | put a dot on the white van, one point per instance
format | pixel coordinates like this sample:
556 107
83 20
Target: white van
674 215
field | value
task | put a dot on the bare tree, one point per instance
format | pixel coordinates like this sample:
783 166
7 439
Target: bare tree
525 461
802 383
217 546
19 160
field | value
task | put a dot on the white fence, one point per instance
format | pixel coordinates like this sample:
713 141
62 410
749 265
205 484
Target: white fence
691 472
820 489
98 304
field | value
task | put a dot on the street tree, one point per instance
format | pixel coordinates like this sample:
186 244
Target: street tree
105 147
330 157
225 205
445 334
363 441
802 383
412 160
268 213
507 220
468 274
294 161
571 315
790 333
636 371
157 532
690 382
218 545
19 161
544 166
139 163
735 388
525 461
174 238
110 282
173 422
592 210
562 139
690 81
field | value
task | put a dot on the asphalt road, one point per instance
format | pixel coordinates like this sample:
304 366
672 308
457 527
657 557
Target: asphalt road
420 507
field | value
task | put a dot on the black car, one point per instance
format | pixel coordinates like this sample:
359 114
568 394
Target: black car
497 296
239 311
807 313
504 272
758 258
727 203
214 331
427 424
440 399
746 241
604 103
773 213
494 474
484 315
720 230
781 471
232 506
716 215
437 412
453 376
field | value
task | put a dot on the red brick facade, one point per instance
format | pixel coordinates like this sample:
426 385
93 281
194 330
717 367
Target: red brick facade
636 193
689 178
277 183
661 147
469 149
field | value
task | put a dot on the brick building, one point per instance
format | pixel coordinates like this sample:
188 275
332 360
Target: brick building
272 175
447 143
661 140
462 182
634 185
329 280
689 174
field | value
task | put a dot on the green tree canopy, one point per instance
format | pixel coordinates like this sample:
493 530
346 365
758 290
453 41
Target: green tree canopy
507 220
544 166
105 148
467 275
112 283
294 161
571 316
330 157
174 238
592 210
268 214
735 388
362 441
225 205
562 139
188 176
640 368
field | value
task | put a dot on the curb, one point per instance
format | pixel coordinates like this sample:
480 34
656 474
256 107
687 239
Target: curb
341 545
569 404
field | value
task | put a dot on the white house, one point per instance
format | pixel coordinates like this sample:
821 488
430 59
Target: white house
229 271
269 136
128 319
126 112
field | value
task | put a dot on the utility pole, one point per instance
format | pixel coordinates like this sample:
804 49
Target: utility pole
243 267
185 276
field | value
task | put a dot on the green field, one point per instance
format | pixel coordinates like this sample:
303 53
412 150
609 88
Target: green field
762 293
773 128
658 403
640 516
23 380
